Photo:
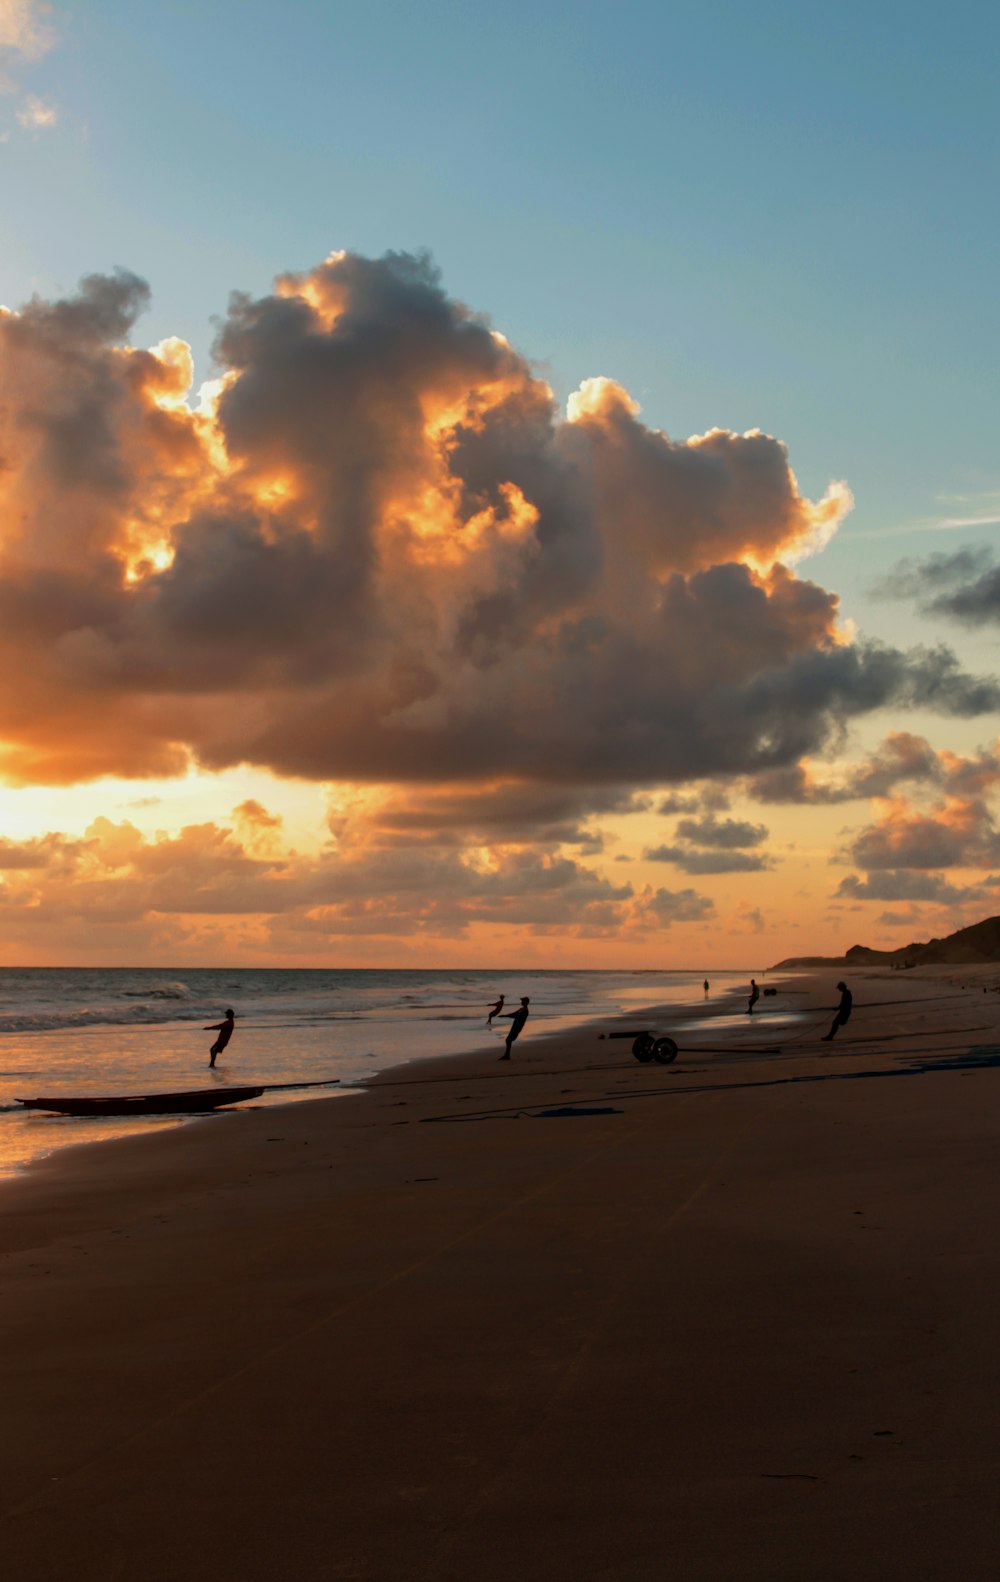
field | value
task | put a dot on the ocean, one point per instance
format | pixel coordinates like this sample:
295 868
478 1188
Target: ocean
86 1030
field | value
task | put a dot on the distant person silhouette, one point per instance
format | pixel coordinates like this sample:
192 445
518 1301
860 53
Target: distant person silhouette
225 1032
843 1012
517 1020
754 996
706 988
495 1011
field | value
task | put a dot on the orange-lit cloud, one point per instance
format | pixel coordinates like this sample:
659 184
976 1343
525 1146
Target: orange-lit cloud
89 893
901 759
957 833
374 551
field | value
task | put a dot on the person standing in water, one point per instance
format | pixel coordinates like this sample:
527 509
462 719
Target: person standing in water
754 996
517 1020
843 1012
495 1011
706 988
225 1032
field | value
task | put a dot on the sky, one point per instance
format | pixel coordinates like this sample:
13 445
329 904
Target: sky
496 486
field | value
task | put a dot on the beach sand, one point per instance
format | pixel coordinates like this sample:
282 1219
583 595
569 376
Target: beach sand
742 1326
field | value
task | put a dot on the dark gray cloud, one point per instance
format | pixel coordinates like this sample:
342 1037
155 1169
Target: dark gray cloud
505 815
964 585
691 861
713 845
707 798
726 833
901 885
662 908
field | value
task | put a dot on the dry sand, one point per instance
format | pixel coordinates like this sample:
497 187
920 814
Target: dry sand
744 1326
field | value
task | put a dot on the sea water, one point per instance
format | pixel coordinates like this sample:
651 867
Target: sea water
83 1030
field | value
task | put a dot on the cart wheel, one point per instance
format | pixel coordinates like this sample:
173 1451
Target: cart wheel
643 1047
665 1051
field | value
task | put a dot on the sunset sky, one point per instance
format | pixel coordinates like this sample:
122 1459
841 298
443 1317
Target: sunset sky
496 485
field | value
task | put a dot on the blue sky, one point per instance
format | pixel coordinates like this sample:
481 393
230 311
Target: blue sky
772 214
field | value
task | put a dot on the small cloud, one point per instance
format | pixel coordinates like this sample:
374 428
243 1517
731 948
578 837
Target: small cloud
662 907
676 802
24 29
725 834
256 814
900 885
25 35
969 521
964 585
711 798
691 861
36 114
960 832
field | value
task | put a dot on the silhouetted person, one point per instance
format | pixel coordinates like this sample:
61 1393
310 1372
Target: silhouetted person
843 1012
754 996
517 1020
225 1032
706 988
495 1011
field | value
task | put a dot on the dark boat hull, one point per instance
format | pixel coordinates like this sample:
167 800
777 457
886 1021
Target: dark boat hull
192 1102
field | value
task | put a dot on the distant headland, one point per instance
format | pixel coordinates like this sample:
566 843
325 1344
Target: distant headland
978 942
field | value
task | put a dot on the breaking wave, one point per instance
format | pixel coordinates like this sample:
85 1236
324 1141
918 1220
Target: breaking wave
159 991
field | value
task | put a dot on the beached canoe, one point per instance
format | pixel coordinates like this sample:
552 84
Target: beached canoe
186 1103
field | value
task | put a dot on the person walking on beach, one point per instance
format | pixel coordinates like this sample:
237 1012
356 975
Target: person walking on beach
754 996
843 1012
517 1020
495 1011
706 988
225 1032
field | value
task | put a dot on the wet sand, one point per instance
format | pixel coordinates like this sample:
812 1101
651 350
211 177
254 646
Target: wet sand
741 1326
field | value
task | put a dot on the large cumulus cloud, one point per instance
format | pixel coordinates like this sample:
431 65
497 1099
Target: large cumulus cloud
375 550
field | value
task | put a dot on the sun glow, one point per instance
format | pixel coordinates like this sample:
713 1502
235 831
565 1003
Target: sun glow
272 493
149 561
177 364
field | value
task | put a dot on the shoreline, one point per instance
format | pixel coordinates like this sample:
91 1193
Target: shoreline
730 1316
158 1126
379 1035
72 1160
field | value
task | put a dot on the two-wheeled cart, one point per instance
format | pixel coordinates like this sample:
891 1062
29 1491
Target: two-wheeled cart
648 1046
